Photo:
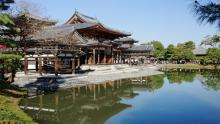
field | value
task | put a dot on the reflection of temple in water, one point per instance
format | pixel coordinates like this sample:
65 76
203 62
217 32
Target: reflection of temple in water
93 103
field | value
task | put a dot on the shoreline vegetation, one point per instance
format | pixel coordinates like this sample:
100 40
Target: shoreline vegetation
188 66
10 111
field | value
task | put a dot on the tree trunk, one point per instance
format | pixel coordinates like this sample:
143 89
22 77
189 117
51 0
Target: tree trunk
2 71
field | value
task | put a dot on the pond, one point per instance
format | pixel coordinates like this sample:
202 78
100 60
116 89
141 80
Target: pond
183 97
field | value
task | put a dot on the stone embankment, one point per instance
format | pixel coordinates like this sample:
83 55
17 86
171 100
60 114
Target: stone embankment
101 73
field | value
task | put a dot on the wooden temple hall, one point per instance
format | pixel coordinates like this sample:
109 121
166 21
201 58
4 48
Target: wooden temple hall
81 40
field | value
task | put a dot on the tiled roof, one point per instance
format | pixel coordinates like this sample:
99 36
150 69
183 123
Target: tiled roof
54 32
126 39
200 51
95 21
135 48
61 33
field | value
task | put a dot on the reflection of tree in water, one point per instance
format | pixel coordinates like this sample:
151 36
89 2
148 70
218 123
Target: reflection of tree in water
154 82
212 79
180 76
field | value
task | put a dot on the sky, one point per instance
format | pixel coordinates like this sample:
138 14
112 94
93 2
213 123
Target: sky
169 21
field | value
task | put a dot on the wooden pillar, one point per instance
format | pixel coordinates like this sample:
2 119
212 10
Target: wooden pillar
94 56
56 66
78 62
120 57
129 60
86 59
40 64
98 56
117 57
73 65
36 65
112 61
123 59
104 57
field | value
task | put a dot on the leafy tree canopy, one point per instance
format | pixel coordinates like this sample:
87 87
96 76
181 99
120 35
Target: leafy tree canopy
212 41
5 20
189 45
169 51
4 4
8 42
214 55
182 52
158 49
10 56
208 12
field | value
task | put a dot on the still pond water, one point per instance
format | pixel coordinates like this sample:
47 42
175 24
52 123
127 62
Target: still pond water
173 98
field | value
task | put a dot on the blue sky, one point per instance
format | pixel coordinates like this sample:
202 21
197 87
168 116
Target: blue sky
169 21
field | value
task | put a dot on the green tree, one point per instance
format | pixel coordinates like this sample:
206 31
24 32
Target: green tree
207 12
5 4
214 56
8 61
189 45
169 52
212 41
27 24
181 52
159 50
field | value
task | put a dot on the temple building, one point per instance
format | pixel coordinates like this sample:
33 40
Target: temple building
139 53
132 52
99 46
200 53
81 40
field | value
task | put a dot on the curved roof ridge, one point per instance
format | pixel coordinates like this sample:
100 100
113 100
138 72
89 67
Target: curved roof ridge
115 30
87 18
78 13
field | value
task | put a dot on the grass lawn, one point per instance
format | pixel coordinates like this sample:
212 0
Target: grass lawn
188 66
9 109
